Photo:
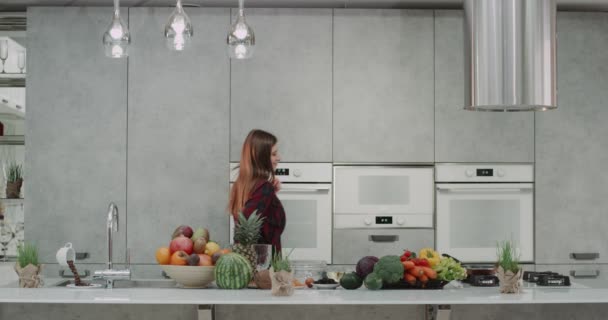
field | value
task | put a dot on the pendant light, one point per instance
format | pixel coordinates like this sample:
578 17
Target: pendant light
241 40
178 30
116 39
510 55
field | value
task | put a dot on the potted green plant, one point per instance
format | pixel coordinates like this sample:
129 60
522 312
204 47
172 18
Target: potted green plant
14 180
281 276
27 266
509 272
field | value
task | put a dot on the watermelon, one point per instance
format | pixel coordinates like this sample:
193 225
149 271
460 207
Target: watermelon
232 271
373 281
351 281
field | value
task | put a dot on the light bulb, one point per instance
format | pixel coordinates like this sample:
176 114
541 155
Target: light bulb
178 30
117 51
240 51
241 31
116 39
241 39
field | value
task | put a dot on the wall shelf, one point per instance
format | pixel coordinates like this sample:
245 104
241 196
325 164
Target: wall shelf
12 140
12 80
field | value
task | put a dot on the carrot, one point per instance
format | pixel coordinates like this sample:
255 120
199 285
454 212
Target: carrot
416 271
408 265
410 279
430 273
423 279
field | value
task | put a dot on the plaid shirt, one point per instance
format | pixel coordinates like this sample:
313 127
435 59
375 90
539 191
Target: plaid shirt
264 199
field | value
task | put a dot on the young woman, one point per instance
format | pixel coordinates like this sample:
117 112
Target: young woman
256 186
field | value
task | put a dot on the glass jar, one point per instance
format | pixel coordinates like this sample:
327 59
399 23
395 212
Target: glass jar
303 269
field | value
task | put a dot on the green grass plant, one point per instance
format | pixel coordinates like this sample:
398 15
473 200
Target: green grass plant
27 254
279 263
508 259
15 172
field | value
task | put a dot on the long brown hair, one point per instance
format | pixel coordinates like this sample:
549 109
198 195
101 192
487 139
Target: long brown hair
255 165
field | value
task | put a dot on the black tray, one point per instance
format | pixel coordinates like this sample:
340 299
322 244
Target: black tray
403 285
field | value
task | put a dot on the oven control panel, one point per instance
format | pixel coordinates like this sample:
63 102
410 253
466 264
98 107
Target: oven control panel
291 172
492 172
356 221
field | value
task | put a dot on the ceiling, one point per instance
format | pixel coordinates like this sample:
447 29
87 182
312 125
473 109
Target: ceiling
20 5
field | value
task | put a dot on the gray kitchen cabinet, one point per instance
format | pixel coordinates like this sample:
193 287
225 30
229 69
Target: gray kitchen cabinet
383 85
350 245
579 273
76 128
469 136
286 88
571 146
178 131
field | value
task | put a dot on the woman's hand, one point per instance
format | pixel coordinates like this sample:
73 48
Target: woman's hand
277 184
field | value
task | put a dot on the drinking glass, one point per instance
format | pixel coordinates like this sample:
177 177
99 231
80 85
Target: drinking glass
20 233
21 60
3 52
6 235
263 255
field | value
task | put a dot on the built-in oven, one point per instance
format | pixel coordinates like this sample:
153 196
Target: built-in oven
305 193
381 210
481 205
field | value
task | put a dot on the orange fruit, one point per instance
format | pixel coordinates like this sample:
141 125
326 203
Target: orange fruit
163 255
179 258
224 251
205 260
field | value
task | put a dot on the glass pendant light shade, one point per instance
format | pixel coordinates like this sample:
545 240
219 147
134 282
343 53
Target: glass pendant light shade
241 39
178 31
116 39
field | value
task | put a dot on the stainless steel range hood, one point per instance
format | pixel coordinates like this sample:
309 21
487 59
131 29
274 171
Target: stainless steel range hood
510 55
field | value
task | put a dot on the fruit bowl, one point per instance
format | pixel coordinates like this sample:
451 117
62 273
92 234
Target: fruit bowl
190 276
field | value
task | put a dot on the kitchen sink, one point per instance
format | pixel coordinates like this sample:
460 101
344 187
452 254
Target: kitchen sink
140 283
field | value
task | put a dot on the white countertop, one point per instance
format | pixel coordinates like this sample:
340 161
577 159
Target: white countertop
467 295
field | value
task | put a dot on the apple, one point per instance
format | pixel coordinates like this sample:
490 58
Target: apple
182 230
179 258
205 260
181 243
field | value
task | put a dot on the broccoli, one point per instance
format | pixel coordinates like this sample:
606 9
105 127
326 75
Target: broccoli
390 269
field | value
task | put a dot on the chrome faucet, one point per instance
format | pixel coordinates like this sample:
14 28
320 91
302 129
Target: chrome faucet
112 226
110 274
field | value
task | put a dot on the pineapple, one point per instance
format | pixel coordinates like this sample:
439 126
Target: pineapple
246 233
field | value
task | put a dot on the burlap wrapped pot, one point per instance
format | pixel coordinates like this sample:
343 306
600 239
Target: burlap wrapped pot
13 189
509 282
282 283
29 276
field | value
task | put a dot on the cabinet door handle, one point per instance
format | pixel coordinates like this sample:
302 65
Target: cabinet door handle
82 255
383 238
584 255
585 273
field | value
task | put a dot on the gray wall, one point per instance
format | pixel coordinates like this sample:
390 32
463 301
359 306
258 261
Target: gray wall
178 131
464 136
286 87
76 132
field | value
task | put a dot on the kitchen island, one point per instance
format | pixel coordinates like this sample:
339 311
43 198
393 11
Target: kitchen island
584 297
577 293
